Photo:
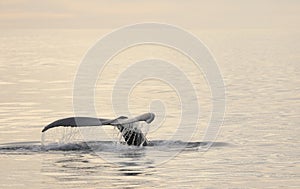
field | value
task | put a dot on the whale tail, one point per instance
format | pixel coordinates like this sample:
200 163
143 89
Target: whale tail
132 135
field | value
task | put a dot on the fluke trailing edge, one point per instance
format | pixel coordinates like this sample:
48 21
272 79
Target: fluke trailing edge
132 135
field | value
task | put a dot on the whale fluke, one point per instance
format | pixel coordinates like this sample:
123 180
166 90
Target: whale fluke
132 135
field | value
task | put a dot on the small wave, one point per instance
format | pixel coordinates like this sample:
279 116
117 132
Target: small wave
20 147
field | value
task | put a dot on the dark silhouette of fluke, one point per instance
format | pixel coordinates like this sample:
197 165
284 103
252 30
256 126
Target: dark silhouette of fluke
131 134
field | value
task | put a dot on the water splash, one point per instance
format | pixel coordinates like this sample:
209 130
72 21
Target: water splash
61 136
133 133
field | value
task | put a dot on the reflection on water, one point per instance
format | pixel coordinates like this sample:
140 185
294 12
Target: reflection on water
76 164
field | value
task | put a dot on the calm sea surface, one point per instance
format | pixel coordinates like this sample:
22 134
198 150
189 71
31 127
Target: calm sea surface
257 146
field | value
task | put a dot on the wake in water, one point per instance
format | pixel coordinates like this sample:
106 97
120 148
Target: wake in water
101 146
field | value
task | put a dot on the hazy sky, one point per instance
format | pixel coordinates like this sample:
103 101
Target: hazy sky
114 13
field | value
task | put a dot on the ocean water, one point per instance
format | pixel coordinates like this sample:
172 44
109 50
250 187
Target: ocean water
257 145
